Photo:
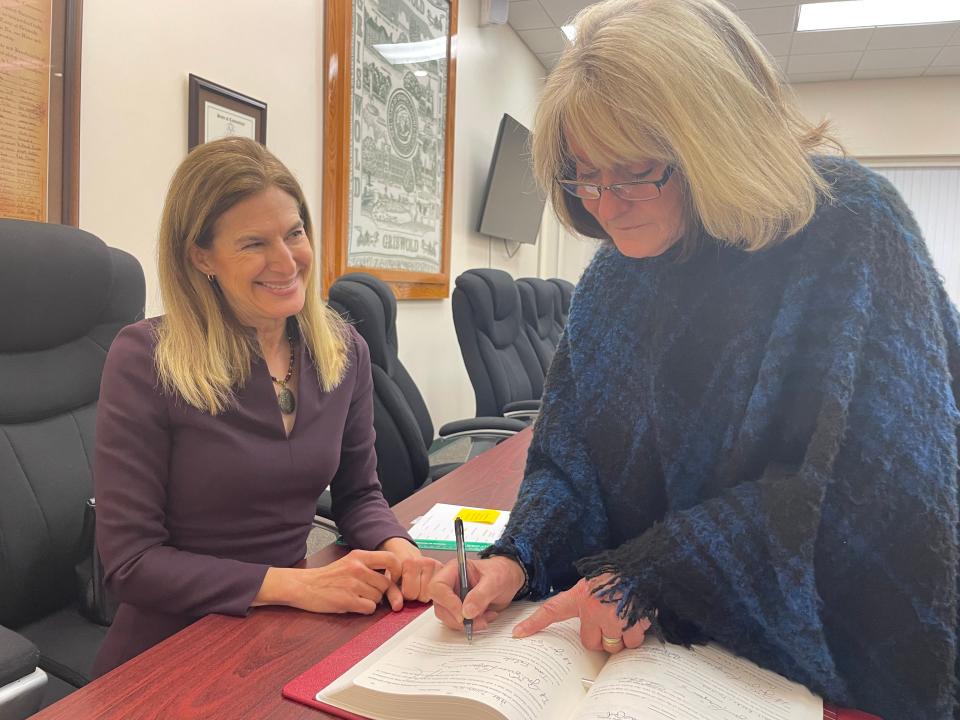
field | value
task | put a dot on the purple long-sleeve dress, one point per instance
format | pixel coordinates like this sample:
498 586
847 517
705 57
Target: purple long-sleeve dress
192 509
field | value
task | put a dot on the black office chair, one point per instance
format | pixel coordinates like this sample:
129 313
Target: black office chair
540 302
566 296
506 374
64 295
404 430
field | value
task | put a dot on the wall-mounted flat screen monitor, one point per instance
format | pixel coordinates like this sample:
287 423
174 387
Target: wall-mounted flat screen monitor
512 203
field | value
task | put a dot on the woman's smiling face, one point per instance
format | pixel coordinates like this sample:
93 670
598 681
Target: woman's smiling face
261 258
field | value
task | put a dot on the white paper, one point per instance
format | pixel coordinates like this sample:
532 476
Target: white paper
434 530
536 677
670 682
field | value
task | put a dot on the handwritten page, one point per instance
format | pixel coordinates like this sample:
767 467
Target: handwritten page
537 677
670 682
434 530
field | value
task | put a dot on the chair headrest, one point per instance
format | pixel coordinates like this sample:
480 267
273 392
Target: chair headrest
372 307
540 300
566 294
55 282
495 301
63 297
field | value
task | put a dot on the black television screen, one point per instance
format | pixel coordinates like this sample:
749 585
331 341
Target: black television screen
512 203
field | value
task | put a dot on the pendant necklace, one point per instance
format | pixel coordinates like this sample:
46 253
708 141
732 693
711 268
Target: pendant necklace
288 403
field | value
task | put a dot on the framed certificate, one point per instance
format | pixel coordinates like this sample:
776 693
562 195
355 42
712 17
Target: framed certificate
216 112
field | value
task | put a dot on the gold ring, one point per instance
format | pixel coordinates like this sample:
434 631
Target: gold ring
609 641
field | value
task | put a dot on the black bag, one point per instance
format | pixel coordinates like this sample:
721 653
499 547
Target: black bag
96 604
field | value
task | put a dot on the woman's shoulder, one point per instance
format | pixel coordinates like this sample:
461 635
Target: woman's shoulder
864 213
137 338
134 347
855 186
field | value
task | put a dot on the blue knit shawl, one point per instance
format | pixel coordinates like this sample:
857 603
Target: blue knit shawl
762 448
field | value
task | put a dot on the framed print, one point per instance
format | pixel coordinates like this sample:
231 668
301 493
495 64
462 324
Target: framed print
216 112
40 112
390 69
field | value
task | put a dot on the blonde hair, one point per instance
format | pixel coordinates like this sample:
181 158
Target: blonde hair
683 82
203 353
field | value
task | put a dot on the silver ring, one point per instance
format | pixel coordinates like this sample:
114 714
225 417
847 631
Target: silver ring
609 641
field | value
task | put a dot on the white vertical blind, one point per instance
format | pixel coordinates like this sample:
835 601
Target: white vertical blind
933 194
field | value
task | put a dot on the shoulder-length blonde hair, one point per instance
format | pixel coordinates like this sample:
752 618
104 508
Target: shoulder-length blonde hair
203 353
683 82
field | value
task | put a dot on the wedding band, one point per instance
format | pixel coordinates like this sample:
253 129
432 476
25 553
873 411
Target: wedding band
609 641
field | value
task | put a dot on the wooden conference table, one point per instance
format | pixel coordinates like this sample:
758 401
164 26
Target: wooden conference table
226 667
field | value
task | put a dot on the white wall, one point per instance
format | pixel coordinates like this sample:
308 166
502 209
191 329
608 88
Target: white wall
136 58
133 111
903 117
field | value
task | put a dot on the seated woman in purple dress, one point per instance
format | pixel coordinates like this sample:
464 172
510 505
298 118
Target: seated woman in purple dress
221 422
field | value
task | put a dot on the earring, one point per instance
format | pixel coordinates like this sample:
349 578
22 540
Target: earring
212 279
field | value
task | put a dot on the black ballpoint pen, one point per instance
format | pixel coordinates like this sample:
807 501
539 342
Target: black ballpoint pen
462 567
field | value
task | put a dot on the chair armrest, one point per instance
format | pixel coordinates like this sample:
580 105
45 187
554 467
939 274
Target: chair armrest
22 683
482 426
526 410
18 656
516 405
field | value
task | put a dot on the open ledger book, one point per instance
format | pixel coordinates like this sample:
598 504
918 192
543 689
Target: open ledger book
429 672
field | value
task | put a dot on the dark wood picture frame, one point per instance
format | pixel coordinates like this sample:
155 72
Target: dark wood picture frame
203 91
344 92
65 180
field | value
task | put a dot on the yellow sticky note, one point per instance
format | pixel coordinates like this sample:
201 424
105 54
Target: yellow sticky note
478 516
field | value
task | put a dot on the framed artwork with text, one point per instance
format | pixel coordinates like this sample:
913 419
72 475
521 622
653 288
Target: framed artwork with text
40 110
390 72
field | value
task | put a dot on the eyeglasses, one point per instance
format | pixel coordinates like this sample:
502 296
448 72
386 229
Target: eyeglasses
633 191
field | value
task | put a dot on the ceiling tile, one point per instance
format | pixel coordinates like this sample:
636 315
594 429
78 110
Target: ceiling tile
956 38
776 44
544 41
528 15
562 11
947 70
767 21
782 62
948 57
887 73
907 57
910 36
823 41
819 77
824 62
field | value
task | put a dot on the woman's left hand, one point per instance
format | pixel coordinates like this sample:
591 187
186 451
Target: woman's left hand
600 626
416 572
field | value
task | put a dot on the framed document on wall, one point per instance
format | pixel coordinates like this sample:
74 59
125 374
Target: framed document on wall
40 110
390 72
215 112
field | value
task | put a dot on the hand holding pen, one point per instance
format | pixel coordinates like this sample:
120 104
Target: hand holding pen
462 573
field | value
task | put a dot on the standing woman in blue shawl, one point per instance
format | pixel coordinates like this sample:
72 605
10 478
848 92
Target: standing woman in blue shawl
749 430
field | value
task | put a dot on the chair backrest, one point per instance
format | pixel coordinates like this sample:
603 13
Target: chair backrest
500 360
400 416
64 295
566 295
540 303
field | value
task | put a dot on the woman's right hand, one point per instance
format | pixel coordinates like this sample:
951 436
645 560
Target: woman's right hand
494 583
350 584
